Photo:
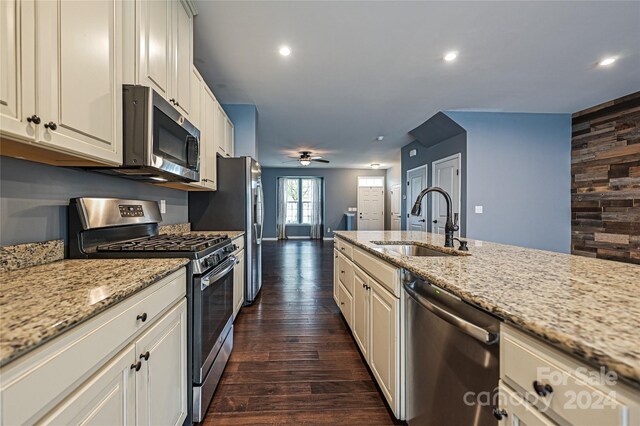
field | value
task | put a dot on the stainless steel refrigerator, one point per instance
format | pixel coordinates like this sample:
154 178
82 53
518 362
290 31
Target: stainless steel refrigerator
237 205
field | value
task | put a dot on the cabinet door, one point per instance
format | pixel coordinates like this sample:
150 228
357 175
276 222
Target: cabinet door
208 156
238 284
195 97
384 341
155 45
107 398
17 68
219 126
336 276
79 76
182 54
361 311
228 137
161 383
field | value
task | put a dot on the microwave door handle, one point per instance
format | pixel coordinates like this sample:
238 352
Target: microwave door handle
218 273
191 140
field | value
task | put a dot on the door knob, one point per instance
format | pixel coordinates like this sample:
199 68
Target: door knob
435 221
422 220
34 119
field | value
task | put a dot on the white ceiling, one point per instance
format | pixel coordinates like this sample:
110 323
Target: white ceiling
362 69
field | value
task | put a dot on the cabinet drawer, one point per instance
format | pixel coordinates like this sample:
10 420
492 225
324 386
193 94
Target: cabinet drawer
518 411
345 248
346 304
345 273
42 378
379 270
570 399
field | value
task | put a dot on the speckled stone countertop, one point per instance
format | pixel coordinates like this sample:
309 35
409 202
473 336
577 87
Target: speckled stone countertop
587 307
41 302
184 228
30 254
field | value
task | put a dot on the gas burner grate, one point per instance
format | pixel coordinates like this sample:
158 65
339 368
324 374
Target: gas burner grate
167 242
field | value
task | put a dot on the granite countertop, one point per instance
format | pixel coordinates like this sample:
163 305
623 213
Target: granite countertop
583 306
231 234
41 302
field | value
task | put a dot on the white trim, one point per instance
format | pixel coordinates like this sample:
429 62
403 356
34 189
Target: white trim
327 238
410 201
433 179
384 196
298 237
269 239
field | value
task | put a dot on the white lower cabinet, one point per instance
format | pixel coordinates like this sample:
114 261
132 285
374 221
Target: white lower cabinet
384 340
161 382
128 365
238 283
106 399
336 277
361 304
373 314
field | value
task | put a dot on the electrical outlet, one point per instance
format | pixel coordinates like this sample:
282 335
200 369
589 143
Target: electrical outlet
479 209
163 206
413 153
478 243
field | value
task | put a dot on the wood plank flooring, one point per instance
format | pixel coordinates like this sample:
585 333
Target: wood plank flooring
294 360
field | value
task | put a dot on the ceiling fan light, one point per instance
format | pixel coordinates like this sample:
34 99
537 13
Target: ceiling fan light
305 162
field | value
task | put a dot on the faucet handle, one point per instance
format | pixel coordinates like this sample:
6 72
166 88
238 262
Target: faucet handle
455 221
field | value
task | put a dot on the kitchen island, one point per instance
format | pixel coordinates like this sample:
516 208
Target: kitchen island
561 314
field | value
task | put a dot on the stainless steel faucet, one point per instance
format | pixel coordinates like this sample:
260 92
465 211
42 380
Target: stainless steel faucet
452 225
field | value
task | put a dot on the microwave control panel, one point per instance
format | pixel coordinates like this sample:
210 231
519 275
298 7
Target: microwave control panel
128 210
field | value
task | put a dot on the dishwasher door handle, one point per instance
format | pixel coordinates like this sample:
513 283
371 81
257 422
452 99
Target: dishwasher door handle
478 333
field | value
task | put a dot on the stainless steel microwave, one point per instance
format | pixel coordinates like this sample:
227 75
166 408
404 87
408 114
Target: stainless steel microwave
159 144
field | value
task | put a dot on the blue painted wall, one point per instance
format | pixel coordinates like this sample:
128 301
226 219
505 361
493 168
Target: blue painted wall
519 170
245 128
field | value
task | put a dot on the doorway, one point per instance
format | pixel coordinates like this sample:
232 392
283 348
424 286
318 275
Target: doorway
396 202
447 175
416 182
370 203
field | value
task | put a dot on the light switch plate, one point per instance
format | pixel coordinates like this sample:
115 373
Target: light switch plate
479 209
163 206
413 153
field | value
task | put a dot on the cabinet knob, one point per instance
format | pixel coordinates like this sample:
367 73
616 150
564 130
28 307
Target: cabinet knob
136 366
342 303
542 389
177 104
142 317
50 125
173 101
499 413
34 119
145 356
342 272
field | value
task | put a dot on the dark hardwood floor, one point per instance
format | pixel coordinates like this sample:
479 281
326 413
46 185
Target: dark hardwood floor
294 360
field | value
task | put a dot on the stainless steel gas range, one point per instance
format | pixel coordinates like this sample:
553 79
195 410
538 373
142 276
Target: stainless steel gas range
117 228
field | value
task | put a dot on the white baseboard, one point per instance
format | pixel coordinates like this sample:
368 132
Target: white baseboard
269 239
295 237
328 238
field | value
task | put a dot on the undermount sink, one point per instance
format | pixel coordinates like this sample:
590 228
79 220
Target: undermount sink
413 250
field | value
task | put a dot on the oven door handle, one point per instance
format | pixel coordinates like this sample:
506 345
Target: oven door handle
218 272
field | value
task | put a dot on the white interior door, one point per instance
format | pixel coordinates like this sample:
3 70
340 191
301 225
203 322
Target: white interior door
396 203
417 181
446 175
370 208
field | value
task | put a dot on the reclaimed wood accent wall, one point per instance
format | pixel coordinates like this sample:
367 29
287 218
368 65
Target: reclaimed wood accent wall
605 180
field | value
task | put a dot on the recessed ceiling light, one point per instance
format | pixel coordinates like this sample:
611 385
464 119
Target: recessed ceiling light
379 138
375 166
607 61
285 50
450 56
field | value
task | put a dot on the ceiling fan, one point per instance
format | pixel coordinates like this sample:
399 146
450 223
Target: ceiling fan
305 158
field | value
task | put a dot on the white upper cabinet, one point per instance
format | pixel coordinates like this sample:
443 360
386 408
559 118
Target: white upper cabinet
79 75
165 50
208 161
154 45
220 124
17 85
61 89
182 55
228 137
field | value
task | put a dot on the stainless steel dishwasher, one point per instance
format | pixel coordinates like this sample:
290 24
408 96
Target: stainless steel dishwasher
452 358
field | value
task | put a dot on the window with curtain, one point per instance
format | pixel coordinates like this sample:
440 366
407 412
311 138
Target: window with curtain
300 203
